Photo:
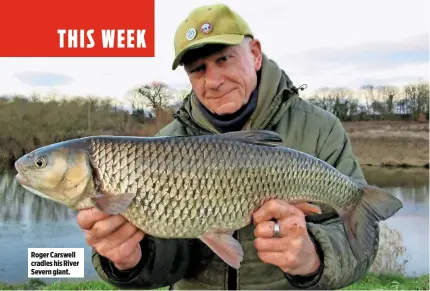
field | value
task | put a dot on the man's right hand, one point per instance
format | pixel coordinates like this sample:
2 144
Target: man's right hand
112 236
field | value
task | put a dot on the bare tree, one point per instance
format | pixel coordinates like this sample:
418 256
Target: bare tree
417 97
369 96
389 95
323 99
343 98
157 94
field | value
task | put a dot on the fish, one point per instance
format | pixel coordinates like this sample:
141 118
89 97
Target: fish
201 186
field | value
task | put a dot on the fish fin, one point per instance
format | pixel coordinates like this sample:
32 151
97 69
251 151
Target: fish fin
113 203
225 246
254 136
360 220
307 208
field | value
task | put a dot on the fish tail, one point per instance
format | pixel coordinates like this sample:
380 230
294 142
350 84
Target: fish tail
360 219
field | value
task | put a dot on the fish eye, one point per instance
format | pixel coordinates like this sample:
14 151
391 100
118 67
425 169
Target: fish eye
40 162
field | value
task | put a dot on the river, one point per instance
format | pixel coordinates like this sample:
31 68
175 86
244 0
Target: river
29 221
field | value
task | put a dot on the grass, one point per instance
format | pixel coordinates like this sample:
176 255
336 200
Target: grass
370 282
36 284
391 282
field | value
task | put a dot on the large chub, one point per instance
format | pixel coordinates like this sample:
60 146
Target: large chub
360 220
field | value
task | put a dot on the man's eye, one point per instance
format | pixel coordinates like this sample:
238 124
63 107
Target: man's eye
197 69
223 58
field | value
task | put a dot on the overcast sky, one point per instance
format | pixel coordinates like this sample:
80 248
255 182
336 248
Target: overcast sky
321 43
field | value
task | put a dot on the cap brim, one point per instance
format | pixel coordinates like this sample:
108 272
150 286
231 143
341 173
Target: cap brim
228 39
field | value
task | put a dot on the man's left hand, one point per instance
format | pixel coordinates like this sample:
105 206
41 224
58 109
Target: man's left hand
293 250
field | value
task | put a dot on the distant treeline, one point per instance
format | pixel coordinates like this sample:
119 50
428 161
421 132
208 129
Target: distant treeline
29 122
410 102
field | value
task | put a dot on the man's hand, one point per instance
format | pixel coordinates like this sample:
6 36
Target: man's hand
112 236
293 251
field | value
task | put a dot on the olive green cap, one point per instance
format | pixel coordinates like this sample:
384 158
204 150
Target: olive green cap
209 24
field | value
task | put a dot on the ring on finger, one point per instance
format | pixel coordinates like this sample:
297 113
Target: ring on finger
276 229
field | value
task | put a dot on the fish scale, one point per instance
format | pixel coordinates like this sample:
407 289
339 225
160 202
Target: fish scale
233 192
204 186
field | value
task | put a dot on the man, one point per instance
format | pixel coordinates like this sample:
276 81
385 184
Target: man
236 87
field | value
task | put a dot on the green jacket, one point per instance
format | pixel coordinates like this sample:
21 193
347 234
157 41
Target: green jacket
189 264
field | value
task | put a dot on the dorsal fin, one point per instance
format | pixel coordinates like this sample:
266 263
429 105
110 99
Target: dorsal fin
254 136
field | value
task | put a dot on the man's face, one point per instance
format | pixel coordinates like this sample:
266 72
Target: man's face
224 80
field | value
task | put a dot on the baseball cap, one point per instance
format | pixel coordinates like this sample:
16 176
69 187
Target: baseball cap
209 24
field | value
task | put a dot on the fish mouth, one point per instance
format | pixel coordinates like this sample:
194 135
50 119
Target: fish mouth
22 179
17 165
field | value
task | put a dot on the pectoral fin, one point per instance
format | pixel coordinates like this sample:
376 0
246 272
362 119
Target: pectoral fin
113 203
225 246
307 208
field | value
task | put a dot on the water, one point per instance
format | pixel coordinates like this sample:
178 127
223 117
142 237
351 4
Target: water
27 221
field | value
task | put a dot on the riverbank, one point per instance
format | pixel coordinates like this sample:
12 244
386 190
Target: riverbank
390 143
375 143
370 282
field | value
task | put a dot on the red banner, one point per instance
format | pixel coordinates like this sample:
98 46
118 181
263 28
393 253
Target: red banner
77 28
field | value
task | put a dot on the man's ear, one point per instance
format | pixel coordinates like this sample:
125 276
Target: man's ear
256 52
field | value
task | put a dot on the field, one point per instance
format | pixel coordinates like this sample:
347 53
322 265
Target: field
390 143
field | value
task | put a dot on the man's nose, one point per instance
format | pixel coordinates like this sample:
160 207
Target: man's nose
213 79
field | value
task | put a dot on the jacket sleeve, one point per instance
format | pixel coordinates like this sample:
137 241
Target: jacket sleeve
163 263
339 268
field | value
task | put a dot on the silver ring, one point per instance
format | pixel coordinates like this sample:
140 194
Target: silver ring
276 229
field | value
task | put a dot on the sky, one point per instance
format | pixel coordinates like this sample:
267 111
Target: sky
328 43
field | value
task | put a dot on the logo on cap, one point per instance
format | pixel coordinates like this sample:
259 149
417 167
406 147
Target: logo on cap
206 28
191 34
